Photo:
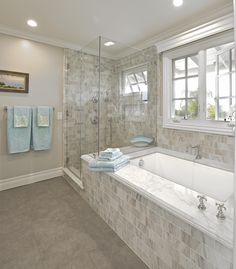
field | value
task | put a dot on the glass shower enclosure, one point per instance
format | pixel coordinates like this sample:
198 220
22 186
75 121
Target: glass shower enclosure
109 97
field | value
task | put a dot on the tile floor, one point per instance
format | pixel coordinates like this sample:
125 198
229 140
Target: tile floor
47 225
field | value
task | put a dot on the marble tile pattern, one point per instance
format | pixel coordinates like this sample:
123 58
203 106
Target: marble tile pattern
117 124
160 238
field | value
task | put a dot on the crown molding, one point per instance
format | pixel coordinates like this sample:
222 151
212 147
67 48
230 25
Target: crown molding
205 30
155 40
182 27
38 38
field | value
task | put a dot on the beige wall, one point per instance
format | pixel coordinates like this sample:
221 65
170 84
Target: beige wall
44 64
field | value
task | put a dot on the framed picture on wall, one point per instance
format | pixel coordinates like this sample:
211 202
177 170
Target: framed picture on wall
14 82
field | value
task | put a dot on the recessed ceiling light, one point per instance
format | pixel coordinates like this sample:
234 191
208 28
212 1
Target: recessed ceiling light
32 23
178 3
109 43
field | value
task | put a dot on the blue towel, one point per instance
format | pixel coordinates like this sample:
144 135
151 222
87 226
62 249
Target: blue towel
43 116
18 139
109 164
109 169
110 152
116 156
41 136
21 116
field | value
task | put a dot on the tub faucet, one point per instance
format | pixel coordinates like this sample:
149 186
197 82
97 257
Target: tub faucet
198 156
220 208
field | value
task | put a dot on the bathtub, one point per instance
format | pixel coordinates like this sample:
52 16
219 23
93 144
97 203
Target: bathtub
206 180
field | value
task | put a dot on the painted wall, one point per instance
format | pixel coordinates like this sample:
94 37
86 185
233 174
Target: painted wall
44 64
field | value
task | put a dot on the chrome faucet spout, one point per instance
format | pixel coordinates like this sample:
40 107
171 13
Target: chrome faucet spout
198 155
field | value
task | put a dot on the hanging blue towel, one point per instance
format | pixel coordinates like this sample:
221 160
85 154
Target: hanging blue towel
41 135
43 116
18 138
21 116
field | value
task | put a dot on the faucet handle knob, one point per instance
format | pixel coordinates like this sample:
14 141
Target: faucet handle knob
221 206
202 205
202 197
220 214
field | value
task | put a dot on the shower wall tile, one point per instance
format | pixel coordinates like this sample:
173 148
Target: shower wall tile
122 117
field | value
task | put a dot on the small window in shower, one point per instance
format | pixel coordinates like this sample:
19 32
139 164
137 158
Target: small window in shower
134 82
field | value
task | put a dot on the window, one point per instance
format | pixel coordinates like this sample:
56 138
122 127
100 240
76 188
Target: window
135 82
199 86
185 87
220 82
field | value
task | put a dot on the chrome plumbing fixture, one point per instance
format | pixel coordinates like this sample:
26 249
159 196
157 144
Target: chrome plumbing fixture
141 163
198 156
94 99
221 208
202 199
94 120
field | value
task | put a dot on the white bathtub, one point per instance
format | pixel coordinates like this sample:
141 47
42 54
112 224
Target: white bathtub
213 182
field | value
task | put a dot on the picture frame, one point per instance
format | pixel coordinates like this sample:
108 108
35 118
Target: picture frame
11 81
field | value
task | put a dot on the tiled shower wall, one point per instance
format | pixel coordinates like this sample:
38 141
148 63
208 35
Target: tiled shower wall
135 116
81 105
123 116
117 121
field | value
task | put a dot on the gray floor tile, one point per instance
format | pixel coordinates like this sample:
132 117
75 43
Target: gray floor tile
47 225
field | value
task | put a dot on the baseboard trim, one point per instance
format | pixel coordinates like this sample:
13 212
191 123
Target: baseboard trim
14 182
74 178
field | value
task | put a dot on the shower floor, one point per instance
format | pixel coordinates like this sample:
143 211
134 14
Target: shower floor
47 225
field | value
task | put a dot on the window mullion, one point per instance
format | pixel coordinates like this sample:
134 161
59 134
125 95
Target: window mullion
230 77
202 84
217 88
186 87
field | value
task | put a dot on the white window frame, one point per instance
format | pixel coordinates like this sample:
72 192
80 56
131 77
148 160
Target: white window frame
201 124
126 72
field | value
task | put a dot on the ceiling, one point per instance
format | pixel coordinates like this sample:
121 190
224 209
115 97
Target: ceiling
131 22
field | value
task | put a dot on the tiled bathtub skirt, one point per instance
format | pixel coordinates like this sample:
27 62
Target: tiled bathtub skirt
160 239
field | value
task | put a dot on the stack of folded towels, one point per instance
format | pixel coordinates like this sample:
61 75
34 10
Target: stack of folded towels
109 160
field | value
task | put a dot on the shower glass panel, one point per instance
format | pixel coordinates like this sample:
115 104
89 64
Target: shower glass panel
109 97
128 93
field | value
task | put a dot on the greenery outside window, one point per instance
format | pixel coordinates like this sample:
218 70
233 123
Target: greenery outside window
199 86
135 82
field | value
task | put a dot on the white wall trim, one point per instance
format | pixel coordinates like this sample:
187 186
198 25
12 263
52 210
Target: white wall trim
33 37
205 30
30 178
74 178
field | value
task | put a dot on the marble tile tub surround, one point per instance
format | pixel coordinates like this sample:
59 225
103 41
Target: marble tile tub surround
161 237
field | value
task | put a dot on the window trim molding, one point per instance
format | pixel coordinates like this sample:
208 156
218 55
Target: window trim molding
206 126
213 27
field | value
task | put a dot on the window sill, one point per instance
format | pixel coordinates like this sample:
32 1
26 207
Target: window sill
219 128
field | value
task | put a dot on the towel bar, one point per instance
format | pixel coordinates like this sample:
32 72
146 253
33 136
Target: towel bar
5 108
